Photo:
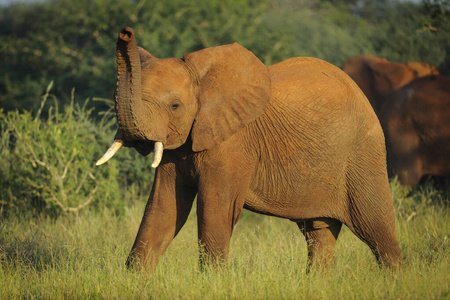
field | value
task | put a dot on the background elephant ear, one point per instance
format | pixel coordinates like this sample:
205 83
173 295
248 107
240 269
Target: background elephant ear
234 89
389 76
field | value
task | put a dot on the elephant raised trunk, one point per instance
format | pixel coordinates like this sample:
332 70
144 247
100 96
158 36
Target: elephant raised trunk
128 99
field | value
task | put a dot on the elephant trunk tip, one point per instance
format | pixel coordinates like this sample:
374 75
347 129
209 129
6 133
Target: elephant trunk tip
126 34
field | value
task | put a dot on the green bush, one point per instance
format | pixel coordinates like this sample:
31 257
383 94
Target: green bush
48 165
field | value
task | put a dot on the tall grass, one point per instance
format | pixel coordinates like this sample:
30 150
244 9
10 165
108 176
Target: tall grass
83 257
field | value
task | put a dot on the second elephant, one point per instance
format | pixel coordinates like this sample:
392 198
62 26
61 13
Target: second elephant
416 122
377 77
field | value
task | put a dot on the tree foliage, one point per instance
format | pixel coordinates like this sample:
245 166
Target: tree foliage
73 42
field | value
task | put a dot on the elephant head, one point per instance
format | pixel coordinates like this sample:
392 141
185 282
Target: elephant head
422 69
207 96
377 77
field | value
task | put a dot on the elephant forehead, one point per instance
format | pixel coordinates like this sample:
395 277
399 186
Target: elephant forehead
169 72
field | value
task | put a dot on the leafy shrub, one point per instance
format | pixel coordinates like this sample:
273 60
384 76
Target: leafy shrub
48 165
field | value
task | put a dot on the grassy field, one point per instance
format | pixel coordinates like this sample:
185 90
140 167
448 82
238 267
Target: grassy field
81 257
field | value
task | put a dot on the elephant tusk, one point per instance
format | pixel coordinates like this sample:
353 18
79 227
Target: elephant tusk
110 152
158 154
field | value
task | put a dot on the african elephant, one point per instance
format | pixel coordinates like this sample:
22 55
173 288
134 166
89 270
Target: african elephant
297 140
422 69
416 122
377 77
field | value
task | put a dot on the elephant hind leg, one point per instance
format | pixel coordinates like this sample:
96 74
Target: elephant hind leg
383 242
372 221
321 236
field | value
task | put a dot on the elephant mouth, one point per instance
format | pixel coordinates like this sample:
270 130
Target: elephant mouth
143 147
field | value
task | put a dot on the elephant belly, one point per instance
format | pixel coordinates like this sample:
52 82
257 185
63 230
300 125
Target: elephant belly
298 193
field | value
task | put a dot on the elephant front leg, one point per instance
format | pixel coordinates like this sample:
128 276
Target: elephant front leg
217 213
214 231
166 212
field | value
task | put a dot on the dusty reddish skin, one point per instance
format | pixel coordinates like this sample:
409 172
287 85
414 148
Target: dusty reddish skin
377 77
297 140
416 121
414 113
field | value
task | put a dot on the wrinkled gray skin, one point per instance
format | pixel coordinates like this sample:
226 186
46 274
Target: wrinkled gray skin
297 140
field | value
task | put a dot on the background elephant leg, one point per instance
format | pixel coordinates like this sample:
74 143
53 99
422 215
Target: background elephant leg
321 236
409 171
403 155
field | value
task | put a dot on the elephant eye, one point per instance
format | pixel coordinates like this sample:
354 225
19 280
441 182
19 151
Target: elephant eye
175 104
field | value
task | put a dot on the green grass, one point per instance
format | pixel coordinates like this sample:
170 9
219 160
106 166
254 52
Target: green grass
81 257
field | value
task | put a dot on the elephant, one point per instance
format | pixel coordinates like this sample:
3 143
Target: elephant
377 77
421 69
297 140
416 123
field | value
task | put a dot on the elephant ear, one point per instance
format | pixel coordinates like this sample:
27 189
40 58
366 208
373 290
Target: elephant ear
234 89
389 76
145 57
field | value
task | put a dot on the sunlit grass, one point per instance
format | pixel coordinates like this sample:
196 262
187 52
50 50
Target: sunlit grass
84 257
